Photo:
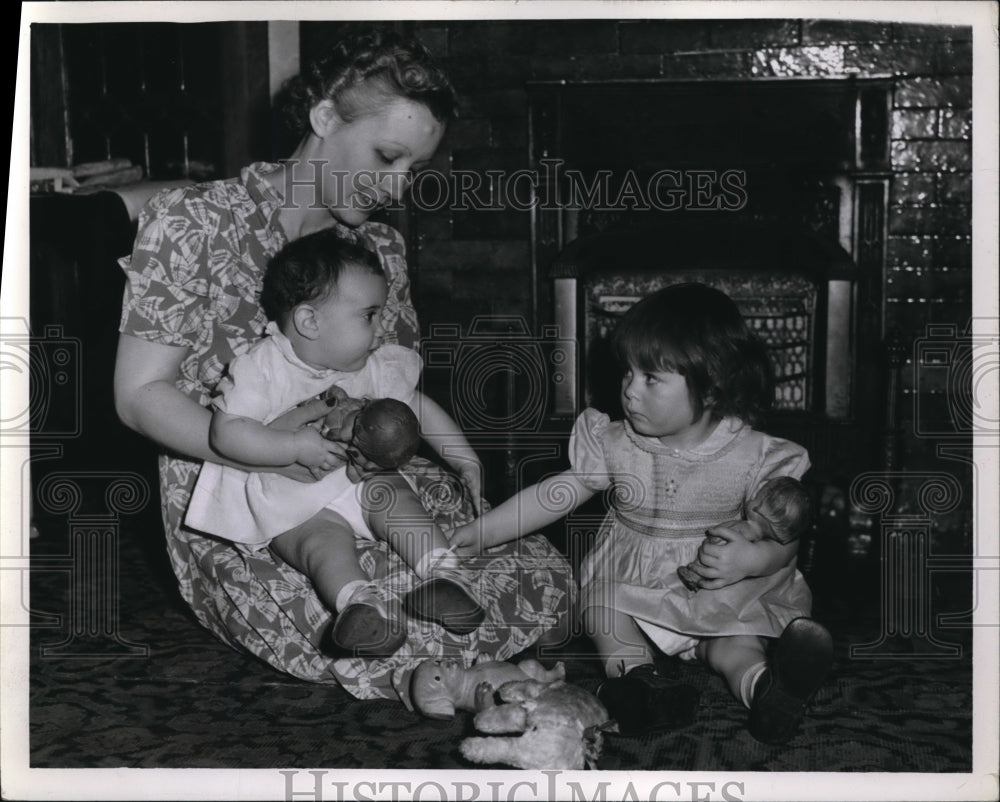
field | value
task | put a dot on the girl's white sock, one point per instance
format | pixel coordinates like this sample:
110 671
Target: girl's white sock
624 660
748 682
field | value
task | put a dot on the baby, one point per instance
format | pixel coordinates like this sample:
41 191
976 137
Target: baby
779 511
324 298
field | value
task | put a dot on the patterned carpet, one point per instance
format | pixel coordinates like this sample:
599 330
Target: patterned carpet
187 701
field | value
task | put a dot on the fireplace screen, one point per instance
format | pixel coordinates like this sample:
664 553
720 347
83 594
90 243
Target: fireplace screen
795 289
781 311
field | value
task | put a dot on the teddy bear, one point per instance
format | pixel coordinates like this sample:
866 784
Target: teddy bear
547 725
385 431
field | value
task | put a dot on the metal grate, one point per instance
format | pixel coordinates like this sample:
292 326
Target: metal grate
780 310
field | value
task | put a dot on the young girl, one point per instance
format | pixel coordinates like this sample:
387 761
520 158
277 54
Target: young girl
324 297
684 460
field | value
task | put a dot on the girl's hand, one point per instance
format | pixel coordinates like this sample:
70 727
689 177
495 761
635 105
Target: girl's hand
468 540
724 558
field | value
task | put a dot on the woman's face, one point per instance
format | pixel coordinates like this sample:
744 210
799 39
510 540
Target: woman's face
370 160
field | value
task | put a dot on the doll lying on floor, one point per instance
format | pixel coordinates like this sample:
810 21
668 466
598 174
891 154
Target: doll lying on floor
780 510
548 723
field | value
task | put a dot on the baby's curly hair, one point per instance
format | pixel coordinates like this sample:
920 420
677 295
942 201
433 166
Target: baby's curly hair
698 331
365 70
308 269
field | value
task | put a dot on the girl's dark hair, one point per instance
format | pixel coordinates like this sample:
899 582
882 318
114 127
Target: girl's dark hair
307 269
364 71
698 332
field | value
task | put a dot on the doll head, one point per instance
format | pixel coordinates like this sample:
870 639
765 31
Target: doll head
781 508
387 432
435 687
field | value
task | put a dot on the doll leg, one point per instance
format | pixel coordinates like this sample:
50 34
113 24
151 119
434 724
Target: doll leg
635 694
394 513
776 687
323 549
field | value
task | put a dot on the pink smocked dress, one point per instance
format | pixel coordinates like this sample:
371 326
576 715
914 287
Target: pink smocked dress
662 501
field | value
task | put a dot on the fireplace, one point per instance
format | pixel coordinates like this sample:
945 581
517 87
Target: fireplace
772 191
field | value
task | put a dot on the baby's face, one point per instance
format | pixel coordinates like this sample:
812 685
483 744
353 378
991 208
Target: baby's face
350 320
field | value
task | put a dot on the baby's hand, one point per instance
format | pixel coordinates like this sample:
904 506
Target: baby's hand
314 451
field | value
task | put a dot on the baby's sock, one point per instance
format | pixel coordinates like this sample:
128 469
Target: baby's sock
436 560
356 587
748 682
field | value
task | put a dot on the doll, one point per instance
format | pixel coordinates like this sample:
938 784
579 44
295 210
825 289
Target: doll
440 687
780 511
385 430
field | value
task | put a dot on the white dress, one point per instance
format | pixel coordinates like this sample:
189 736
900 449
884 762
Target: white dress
252 508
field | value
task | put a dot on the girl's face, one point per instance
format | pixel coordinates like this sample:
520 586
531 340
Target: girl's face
371 159
349 321
658 404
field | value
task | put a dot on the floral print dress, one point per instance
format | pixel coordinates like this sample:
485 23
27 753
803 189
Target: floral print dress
193 281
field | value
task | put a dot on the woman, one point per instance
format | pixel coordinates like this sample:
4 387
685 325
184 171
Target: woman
372 111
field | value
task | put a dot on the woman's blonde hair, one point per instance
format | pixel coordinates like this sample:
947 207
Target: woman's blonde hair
363 72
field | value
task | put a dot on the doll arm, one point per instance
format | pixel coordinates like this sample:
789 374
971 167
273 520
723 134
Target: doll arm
532 509
726 557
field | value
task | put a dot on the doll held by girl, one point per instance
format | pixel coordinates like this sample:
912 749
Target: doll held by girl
780 511
324 297
685 458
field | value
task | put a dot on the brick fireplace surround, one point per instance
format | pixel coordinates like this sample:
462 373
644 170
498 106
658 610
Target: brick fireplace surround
465 267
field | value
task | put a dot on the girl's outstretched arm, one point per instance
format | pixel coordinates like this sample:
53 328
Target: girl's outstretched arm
532 509
727 556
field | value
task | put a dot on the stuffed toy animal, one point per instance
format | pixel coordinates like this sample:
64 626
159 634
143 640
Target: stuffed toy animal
385 430
550 725
440 687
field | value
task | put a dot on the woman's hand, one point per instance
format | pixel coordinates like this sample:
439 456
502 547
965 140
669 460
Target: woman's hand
471 474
